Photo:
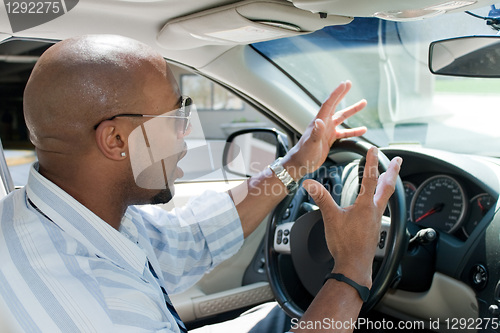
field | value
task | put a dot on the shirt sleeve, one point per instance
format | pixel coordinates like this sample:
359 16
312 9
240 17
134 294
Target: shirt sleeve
191 240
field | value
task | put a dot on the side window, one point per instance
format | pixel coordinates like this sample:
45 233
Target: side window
19 57
220 113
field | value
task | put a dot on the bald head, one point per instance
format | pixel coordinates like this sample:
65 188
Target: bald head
80 81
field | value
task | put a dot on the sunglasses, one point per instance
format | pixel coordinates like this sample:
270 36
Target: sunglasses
183 115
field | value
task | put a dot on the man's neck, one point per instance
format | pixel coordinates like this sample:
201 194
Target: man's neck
95 193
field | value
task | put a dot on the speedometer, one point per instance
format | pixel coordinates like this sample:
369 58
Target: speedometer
410 190
439 203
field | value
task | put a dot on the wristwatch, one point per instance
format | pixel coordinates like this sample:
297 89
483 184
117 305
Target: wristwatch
283 175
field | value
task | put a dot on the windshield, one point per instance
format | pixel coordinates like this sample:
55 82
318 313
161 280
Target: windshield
388 65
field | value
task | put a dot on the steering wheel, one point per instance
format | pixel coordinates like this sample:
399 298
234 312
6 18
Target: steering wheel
297 258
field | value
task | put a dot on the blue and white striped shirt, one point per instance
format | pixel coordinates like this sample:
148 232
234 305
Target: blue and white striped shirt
63 269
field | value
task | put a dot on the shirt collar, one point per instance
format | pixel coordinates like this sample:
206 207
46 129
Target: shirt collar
83 225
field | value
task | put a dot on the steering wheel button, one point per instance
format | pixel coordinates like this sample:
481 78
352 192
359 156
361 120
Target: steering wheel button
282 238
383 236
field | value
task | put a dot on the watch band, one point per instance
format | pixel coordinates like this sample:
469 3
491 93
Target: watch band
283 175
363 291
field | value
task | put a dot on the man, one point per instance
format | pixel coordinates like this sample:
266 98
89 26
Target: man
76 255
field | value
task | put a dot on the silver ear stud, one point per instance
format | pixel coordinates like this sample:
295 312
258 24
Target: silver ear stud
123 154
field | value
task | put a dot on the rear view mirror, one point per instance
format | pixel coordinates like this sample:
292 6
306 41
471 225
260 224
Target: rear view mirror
250 151
473 56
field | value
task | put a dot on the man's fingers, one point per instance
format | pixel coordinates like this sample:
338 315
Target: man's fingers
351 132
340 116
328 107
321 197
370 176
318 130
387 182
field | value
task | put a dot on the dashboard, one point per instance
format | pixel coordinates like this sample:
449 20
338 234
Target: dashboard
454 194
448 192
438 195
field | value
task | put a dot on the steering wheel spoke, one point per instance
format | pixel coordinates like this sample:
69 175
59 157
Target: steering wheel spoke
384 235
282 238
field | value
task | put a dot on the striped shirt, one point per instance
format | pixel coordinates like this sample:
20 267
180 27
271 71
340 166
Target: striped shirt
63 269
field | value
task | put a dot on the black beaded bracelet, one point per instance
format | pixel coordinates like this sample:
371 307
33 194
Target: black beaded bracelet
363 291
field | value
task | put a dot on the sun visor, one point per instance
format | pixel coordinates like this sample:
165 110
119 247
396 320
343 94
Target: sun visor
387 10
245 22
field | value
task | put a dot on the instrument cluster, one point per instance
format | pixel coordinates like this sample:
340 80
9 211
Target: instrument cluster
445 203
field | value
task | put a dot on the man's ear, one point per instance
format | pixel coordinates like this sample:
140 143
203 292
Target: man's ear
111 140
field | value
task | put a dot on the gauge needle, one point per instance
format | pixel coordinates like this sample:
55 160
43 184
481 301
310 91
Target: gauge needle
480 205
437 208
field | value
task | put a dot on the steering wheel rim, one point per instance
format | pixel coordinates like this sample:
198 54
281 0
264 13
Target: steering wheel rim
396 242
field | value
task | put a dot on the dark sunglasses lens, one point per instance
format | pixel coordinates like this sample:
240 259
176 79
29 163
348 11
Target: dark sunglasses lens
188 102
